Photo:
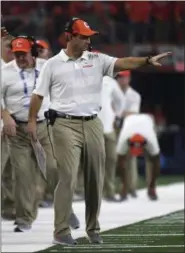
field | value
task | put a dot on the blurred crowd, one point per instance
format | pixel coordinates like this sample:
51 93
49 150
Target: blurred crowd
123 21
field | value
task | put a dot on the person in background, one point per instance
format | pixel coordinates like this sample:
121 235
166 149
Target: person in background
44 51
4 32
138 137
18 79
162 14
113 103
132 106
160 119
8 177
139 19
6 53
179 18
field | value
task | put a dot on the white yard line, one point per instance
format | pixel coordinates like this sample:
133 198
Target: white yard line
112 215
117 246
140 235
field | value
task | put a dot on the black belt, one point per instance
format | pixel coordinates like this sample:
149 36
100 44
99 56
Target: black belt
25 122
85 118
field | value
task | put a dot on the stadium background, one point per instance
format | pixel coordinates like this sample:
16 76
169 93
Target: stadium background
126 28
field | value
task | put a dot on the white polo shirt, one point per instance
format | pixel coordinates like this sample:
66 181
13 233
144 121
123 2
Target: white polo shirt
3 63
112 96
142 124
15 99
75 85
132 100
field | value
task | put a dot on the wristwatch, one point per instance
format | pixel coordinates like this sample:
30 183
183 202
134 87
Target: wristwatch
148 60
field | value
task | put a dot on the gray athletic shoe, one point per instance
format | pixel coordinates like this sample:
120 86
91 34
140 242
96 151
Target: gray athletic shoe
94 238
22 228
64 240
74 221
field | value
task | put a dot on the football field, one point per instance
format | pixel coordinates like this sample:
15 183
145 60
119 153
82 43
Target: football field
161 234
120 227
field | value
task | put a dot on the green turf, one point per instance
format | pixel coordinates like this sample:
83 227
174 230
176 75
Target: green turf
157 235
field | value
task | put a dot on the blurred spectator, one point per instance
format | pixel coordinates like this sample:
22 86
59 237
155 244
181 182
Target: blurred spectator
162 17
119 15
179 58
139 16
44 49
6 52
160 119
179 18
97 15
125 21
59 17
62 40
77 7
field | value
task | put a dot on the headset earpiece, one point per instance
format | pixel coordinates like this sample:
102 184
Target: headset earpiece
69 25
34 50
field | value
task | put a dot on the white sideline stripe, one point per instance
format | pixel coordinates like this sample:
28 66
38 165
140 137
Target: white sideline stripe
104 246
132 235
171 199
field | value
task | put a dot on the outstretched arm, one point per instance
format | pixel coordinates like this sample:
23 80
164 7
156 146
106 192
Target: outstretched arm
129 63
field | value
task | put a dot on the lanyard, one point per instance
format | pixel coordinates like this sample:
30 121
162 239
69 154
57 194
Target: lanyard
24 81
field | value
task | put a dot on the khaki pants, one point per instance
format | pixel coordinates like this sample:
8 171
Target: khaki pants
148 169
52 172
110 164
8 178
75 140
5 152
110 167
131 173
80 182
29 183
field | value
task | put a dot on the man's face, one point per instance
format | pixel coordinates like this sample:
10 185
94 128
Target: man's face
23 59
80 42
123 81
43 53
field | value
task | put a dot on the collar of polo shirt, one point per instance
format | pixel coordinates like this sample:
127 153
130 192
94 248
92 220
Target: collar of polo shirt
66 58
18 69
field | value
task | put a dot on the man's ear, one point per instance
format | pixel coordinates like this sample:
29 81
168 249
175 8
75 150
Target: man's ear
68 36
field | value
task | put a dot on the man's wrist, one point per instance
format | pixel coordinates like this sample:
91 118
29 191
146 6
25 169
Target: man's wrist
32 120
5 113
148 60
